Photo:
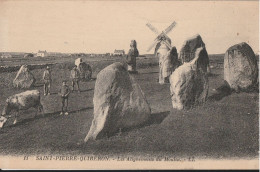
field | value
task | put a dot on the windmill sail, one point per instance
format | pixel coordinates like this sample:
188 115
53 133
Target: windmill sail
162 37
168 29
152 28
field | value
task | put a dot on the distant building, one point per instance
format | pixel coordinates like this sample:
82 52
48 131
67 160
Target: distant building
42 53
6 55
119 52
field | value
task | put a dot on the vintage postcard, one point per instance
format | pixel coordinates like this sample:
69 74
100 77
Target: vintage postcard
129 84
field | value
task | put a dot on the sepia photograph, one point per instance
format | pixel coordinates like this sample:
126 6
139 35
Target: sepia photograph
144 84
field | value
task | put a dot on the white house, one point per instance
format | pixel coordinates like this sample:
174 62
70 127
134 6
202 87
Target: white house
42 53
119 52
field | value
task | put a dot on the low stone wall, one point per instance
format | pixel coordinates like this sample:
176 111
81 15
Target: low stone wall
31 67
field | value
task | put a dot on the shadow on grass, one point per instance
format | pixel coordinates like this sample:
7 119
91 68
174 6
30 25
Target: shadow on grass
133 72
221 92
46 115
37 85
89 80
213 75
224 90
87 90
148 72
155 118
252 89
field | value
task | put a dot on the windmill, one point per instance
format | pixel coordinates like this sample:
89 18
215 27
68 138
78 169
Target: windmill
162 37
163 45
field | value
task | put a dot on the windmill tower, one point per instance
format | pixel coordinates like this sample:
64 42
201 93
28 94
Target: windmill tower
162 44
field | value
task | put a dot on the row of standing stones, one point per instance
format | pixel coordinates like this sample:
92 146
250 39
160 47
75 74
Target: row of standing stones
120 103
25 79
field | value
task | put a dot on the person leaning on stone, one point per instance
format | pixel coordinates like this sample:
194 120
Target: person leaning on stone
47 81
75 77
64 93
131 56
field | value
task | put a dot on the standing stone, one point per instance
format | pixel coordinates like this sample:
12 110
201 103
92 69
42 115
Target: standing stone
164 64
168 59
189 83
85 71
189 49
131 57
240 67
167 64
78 61
24 78
118 102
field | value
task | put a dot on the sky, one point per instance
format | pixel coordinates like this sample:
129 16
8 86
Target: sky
103 26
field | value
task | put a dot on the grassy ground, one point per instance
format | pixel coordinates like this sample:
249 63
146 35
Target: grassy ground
226 126
42 60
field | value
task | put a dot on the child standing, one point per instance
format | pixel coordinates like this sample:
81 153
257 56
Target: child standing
64 93
47 81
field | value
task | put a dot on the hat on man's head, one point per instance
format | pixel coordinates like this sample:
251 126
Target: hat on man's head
47 67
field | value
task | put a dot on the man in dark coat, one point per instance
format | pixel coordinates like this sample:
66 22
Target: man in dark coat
64 93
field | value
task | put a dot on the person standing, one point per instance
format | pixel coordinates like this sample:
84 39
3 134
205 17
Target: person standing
75 76
64 93
47 81
131 56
